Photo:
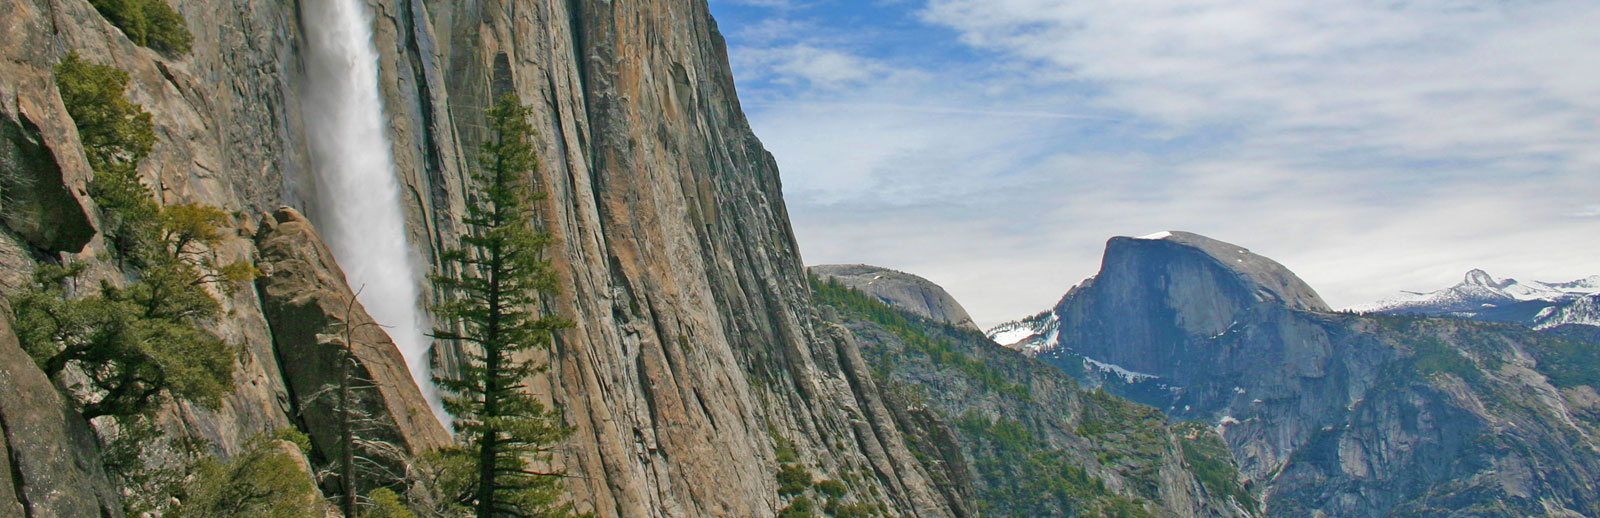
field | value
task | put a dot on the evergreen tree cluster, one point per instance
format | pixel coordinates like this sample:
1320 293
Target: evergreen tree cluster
149 23
124 344
137 341
904 325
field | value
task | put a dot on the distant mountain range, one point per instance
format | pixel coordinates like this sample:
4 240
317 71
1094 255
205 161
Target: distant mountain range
1481 296
1391 412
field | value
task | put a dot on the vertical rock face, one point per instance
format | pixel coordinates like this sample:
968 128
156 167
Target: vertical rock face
1182 286
52 464
310 309
1339 414
695 344
695 340
899 289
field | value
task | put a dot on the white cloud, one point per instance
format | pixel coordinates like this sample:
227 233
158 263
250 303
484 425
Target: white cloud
805 65
1451 79
1369 145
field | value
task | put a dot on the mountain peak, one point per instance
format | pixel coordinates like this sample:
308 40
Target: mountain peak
1267 278
1482 296
1153 295
1481 278
899 289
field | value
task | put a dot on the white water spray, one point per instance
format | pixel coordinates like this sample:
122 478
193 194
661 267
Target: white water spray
358 198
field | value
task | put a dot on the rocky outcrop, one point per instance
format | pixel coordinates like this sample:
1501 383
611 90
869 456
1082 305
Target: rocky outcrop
34 201
1181 286
53 466
220 118
696 346
1582 311
999 424
899 289
1334 413
314 316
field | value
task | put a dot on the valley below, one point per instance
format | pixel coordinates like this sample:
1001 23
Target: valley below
323 258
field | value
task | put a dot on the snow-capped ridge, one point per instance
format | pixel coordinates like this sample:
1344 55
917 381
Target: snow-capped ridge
1585 310
1481 295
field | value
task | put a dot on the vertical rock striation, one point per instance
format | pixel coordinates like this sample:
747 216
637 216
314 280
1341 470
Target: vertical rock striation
696 346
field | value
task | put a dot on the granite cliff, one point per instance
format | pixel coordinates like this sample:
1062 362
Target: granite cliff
696 350
1020 437
900 290
1328 413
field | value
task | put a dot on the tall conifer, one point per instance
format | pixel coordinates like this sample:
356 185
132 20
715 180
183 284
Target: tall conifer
493 311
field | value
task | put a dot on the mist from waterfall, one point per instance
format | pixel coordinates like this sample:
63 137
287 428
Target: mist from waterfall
357 207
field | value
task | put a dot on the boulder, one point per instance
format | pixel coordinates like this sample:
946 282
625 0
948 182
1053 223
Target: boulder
309 306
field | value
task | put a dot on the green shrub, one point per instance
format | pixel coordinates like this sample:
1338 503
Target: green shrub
149 23
793 480
838 509
831 487
386 504
116 135
137 342
262 482
801 507
782 446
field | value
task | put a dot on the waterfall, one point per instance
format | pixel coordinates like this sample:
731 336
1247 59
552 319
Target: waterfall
357 205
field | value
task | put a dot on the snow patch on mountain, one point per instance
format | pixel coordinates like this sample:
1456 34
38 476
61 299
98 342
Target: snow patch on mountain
1584 310
1029 335
1127 376
1156 236
1479 292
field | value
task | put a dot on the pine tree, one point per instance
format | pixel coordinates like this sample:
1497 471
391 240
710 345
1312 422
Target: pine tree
132 344
494 309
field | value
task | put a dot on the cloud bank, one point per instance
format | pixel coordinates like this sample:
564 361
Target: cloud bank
993 145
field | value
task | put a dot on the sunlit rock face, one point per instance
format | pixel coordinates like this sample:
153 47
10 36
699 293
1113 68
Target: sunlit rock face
694 344
316 320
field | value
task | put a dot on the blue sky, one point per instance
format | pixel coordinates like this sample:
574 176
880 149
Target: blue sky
994 145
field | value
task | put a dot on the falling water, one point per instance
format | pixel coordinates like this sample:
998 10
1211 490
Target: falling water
358 199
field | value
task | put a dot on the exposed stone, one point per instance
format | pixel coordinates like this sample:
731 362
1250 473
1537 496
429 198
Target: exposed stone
53 463
899 289
34 201
694 336
1339 414
309 308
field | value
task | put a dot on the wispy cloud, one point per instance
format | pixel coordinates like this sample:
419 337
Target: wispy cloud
993 145
807 66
